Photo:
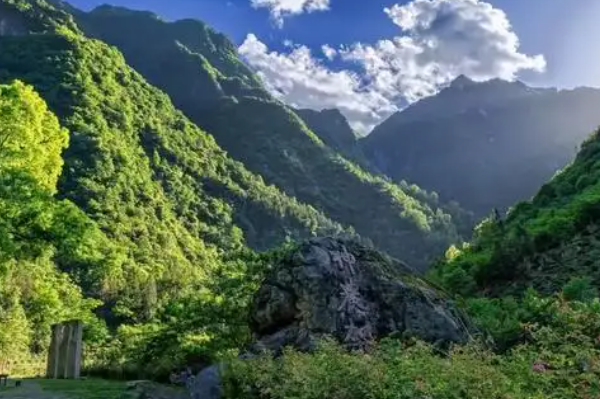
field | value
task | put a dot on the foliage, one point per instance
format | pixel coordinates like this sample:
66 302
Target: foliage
544 242
560 360
36 230
30 136
196 330
580 289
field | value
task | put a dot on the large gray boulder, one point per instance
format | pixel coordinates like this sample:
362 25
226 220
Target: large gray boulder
355 294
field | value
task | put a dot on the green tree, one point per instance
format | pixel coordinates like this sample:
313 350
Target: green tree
31 138
36 228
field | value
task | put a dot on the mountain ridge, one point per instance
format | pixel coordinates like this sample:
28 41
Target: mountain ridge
542 243
486 145
213 87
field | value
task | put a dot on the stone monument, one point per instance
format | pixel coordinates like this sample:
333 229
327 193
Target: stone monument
64 356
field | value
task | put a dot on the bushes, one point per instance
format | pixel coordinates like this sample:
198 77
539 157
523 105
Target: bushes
391 371
559 359
502 251
580 289
196 330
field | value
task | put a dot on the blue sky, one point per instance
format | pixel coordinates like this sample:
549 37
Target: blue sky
538 23
562 31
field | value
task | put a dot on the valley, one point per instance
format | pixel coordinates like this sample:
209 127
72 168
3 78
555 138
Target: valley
193 220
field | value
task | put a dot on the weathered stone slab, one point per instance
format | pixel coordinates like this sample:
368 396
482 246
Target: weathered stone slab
64 356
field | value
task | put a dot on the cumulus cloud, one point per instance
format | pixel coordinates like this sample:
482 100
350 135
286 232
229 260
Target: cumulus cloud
302 81
438 40
329 52
281 9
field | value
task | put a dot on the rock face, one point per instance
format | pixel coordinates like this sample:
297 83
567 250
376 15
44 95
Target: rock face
357 295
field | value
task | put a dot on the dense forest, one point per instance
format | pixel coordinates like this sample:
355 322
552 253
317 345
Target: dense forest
180 227
170 209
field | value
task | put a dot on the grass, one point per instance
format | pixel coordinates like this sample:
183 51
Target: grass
85 389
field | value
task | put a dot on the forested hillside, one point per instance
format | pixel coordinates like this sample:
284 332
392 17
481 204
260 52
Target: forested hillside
486 145
333 128
542 243
167 204
41 236
201 72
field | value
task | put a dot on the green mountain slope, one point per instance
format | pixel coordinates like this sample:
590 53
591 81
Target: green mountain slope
333 129
204 77
162 191
543 243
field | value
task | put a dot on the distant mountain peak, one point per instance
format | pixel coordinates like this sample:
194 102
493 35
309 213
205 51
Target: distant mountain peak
331 126
462 81
110 10
461 95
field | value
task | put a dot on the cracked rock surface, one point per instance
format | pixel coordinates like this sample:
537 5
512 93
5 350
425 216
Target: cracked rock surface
355 294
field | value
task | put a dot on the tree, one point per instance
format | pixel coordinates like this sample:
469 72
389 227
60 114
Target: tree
31 138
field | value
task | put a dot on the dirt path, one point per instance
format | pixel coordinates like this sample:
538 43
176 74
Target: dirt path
29 390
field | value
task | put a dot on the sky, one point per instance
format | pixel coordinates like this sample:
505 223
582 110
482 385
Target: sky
371 58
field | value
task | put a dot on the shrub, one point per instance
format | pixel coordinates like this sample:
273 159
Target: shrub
559 358
580 289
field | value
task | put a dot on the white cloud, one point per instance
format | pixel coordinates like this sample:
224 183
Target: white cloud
281 9
302 81
329 52
439 40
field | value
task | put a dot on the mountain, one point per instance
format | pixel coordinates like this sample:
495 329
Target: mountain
171 202
544 243
332 127
484 144
117 210
200 70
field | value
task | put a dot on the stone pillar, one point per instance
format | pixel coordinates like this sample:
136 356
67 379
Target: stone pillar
64 356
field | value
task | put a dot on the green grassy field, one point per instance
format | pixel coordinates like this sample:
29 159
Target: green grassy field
88 389
85 389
